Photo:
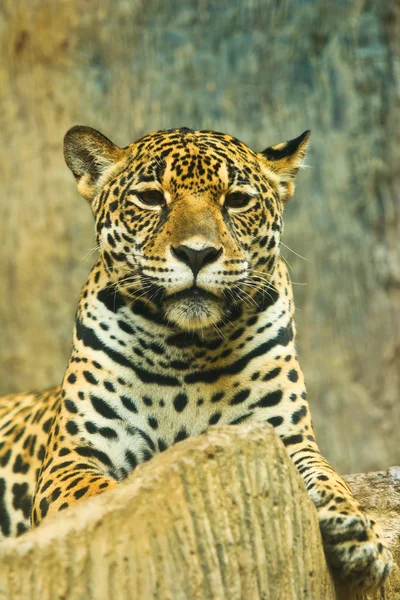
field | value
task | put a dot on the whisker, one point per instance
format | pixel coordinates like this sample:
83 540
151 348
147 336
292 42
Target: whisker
287 262
267 282
250 298
260 289
296 253
243 299
219 332
90 252
257 280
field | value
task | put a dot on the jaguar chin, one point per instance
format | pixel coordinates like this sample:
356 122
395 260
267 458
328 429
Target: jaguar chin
194 308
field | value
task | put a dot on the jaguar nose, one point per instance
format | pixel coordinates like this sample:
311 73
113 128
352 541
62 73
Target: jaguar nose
196 259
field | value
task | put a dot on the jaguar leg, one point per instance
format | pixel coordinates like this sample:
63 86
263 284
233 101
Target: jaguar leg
352 540
64 482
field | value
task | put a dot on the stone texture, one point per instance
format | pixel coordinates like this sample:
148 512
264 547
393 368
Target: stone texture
220 516
379 493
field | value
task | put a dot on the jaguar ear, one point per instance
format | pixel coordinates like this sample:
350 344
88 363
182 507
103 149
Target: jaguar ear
88 153
285 159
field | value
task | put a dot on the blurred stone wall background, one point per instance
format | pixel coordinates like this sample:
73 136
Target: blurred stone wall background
264 72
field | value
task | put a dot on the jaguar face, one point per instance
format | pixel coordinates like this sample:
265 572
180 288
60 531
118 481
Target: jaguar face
188 220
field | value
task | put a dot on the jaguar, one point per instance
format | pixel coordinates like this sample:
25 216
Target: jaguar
185 321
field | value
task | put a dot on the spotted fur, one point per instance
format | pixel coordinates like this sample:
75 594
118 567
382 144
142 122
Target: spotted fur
186 321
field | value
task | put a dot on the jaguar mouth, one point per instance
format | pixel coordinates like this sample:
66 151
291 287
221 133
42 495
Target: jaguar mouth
195 294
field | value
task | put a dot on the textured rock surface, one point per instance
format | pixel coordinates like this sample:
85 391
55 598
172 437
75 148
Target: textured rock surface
221 516
379 493
263 72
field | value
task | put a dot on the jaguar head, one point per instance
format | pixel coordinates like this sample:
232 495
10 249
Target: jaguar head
188 220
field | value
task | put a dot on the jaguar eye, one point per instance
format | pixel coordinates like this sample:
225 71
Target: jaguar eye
237 200
151 198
